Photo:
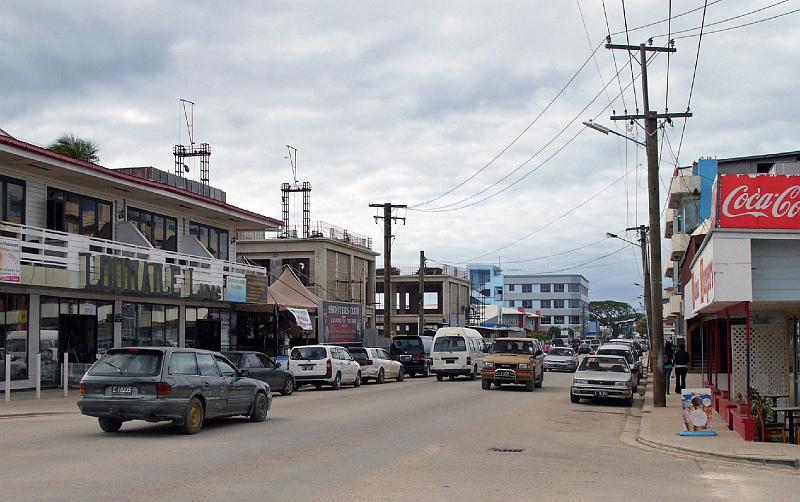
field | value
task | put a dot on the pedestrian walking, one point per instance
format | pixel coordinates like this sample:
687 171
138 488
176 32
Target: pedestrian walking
668 363
681 361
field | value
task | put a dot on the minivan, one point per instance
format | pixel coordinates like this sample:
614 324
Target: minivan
457 351
413 352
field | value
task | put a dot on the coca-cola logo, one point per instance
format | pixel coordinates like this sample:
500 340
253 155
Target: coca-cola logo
741 202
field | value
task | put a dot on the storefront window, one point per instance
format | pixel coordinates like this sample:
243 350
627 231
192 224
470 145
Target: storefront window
158 229
13 193
14 335
146 325
208 328
78 214
215 240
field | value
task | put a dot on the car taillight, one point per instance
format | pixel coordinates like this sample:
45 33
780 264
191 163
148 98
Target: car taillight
163 389
83 389
328 366
417 357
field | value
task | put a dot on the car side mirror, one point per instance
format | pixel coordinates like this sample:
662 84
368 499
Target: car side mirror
244 373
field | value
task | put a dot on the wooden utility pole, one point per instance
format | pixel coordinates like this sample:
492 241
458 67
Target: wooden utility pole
421 316
647 286
651 145
388 297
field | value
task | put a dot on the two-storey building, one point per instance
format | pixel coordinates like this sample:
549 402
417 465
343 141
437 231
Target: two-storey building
561 300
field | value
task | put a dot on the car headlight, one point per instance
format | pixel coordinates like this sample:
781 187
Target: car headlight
488 364
524 366
581 382
621 384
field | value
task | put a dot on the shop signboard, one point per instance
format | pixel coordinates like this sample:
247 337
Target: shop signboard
702 279
235 289
342 321
697 412
256 289
9 260
302 318
761 201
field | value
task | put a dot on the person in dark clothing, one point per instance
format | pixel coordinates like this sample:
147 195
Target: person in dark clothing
668 363
681 361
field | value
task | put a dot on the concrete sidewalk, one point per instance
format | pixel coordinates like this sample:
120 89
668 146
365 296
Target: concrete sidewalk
660 428
24 403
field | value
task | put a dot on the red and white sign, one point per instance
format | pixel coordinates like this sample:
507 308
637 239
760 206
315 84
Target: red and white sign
758 201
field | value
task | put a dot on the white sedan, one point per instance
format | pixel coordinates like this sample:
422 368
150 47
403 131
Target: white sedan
377 364
561 359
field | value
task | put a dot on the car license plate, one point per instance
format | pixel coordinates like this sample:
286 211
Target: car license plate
450 361
405 358
601 394
502 373
307 367
124 390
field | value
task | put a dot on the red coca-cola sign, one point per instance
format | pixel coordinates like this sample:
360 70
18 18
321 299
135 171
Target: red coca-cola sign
758 201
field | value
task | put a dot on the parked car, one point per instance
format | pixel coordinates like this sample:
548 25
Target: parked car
376 364
613 349
602 376
558 342
584 348
165 383
561 359
457 351
261 367
413 352
594 344
513 361
324 365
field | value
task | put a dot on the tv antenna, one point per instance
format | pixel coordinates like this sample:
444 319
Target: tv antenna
183 152
291 154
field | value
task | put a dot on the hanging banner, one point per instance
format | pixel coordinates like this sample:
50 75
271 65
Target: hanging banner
762 201
302 318
698 410
9 260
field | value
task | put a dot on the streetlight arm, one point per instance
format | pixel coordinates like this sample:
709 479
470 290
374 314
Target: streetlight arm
605 130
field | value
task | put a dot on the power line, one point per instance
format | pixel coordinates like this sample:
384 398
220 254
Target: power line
669 38
715 23
630 56
676 16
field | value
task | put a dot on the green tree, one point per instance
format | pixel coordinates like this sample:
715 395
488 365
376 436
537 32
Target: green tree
608 312
78 148
641 326
554 332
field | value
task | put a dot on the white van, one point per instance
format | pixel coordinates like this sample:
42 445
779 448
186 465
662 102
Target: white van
457 351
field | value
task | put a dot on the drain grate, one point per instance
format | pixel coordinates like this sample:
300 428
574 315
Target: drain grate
507 450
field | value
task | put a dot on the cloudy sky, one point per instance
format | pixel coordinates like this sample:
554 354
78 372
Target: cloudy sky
402 102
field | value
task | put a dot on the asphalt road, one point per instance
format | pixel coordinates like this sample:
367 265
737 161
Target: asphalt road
415 440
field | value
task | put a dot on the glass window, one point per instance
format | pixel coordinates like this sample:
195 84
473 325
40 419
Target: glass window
544 288
252 361
14 335
545 304
183 363
158 325
545 319
122 362
88 216
558 319
528 304
104 220
574 319
78 214
558 304
450 344
527 288
105 326
213 242
171 325
266 361
512 303
511 287
13 200
73 212
170 234
158 232
224 367
223 245
574 304
558 288
207 365
574 288
146 324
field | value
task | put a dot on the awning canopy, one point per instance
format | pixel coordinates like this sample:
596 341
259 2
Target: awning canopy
286 291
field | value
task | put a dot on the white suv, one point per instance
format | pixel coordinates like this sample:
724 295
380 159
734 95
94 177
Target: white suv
377 364
324 365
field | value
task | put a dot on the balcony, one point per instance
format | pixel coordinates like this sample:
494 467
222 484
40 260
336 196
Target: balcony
60 259
679 243
669 221
680 187
317 230
670 272
672 306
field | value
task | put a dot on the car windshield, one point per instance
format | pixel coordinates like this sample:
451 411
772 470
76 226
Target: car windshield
449 344
560 352
309 353
408 345
359 354
610 364
128 363
557 342
512 347
618 352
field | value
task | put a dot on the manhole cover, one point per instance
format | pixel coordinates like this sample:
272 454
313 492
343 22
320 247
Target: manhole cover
508 450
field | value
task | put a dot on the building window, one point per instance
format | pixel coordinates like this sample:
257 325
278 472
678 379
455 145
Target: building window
527 304
544 288
159 230
558 288
558 304
14 335
511 287
499 291
545 319
512 303
214 239
584 291
378 301
13 194
574 319
574 288
545 304
574 304
480 277
558 319
78 214
527 288
149 325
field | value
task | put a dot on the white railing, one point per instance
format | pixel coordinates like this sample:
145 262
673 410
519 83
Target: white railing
41 247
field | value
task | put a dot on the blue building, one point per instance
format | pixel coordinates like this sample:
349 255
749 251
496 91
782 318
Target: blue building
487 283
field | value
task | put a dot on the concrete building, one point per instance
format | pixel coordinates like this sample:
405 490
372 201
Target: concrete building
561 300
487 283
446 298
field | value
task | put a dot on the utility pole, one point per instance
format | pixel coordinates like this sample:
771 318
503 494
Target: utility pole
651 145
648 304
421 321
388 297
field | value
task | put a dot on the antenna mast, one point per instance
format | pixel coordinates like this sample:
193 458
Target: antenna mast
183 152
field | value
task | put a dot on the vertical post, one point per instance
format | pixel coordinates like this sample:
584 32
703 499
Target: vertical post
39 375
388 297
7 376
65 376
648 304
421 315
651 129
747 350
275 328
729 339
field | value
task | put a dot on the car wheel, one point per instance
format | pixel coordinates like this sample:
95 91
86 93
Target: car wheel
426 371
357 381
628 402
288 387
439 377
486 384
411 374
193 418
451 377
337 382
575 399
259 410
318 386
381 378
400 374
474 374
109 424
530 385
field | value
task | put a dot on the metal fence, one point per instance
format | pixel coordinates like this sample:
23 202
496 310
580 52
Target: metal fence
431 270
318 229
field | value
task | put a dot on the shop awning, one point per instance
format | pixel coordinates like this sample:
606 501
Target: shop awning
287 291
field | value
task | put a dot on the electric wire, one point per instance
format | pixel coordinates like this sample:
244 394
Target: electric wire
676 16
630 56
715 23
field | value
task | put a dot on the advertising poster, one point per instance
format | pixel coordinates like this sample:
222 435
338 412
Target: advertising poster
697 412
9 260
235 289
342 322
302 318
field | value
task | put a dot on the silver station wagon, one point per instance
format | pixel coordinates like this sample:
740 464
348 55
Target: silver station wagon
156 384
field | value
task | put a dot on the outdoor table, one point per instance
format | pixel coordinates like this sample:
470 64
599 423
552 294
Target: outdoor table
790 411
774 399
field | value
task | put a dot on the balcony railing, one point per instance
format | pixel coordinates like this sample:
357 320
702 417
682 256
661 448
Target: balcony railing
433 270
680 187
318 229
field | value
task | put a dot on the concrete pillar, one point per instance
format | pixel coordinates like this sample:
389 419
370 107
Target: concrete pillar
182 326
33 334
117 323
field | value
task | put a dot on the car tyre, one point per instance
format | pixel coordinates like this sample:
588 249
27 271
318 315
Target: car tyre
486 384
426 371
337 382
193 417
474 375
109 424
259 411
288 387
357 381
573 398
318 386
439 377
530 385
628 402
401 375
381 377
